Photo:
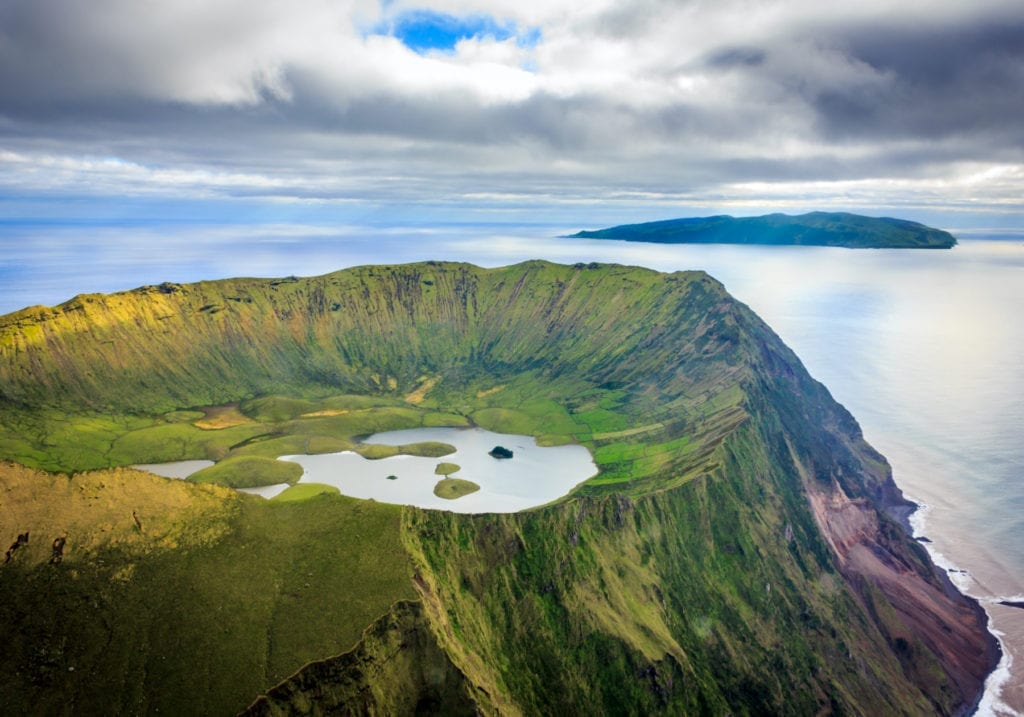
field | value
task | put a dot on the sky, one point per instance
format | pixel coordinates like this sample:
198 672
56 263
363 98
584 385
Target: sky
518 110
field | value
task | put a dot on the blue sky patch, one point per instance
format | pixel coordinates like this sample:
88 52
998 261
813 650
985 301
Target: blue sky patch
424 31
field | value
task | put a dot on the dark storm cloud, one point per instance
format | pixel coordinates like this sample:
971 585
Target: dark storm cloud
943 81
887 81
944 84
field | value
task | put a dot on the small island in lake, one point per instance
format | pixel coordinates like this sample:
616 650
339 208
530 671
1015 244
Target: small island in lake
454 488
853 231
499 452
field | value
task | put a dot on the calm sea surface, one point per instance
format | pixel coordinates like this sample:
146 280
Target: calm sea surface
924 347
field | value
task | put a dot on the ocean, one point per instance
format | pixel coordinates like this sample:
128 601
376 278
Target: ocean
923 347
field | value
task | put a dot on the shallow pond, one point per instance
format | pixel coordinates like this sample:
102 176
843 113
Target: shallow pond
535 475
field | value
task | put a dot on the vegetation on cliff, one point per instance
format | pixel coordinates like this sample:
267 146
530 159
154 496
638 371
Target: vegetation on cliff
842 229
735 553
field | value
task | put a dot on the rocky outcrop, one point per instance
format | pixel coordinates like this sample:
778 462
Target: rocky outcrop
925 620
938 635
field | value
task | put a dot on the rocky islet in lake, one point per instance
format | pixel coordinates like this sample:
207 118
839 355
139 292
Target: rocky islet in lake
500 452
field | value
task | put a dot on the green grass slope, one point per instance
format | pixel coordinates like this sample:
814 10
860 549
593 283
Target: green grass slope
172 598
842 229
735 553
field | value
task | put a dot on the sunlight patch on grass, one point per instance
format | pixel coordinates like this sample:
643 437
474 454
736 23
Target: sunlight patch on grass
629 431
490 391
422 390
221 417
325 412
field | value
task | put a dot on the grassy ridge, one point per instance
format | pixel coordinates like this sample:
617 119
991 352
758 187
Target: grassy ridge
398 668
159 349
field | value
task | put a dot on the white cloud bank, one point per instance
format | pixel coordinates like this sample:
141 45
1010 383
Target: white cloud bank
717 102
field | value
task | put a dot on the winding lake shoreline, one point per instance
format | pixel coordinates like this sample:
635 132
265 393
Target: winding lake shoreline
534 476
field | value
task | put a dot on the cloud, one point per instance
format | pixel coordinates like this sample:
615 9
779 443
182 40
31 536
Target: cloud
229 52
940 81
551 100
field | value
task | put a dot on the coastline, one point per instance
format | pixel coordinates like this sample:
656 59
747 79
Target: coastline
911 515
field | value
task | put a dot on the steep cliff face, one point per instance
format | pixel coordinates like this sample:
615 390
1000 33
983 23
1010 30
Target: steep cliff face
862 516
737 552
752 589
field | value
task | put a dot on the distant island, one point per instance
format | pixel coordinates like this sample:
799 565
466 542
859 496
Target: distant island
853 231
